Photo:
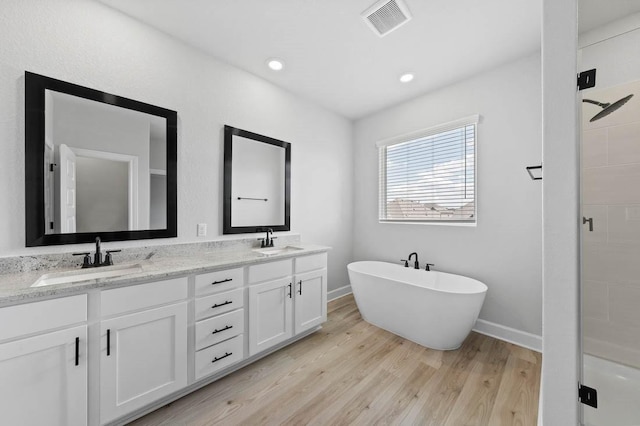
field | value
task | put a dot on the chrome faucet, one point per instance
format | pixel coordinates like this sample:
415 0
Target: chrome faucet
97 258
268 241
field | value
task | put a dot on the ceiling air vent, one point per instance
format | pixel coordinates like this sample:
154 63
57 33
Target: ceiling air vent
386 15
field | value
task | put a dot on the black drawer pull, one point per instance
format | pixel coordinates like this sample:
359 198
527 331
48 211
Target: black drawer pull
77 350
221 330
222 281
217 305
216 359
108 342
300 282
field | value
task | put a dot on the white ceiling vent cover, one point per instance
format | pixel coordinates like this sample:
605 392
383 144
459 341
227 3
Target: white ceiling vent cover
386 15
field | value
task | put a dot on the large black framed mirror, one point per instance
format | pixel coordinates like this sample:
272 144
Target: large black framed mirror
257 182
96 164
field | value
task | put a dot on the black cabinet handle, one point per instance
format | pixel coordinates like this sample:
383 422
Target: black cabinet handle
108 342
77 350
300 291
221 330
290 290
222 281
217 305
226 354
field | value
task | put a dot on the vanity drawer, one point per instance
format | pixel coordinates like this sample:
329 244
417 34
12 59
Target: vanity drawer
269 271
219 328
219 303
311 262
219 356
125 299
36 317
219 281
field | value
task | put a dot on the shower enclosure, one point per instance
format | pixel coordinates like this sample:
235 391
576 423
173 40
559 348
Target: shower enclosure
610 201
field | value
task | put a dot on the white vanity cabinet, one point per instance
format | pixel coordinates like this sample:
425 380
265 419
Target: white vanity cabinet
270 314
110 354
311 291
219 321
43 378
281 304
143 349
270 304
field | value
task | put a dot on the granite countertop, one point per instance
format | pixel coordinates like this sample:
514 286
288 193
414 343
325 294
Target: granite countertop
17 288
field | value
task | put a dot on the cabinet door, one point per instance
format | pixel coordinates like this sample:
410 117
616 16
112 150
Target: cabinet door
42 384
143 358
310 300
270 320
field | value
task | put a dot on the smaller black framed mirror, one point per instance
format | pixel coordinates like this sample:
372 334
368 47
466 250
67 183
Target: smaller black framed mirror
96 164
257 182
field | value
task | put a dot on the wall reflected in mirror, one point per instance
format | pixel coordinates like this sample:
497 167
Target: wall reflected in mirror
257 176
97 163
257 182
109 167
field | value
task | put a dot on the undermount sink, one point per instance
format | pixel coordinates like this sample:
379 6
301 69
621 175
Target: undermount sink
86 274
270 251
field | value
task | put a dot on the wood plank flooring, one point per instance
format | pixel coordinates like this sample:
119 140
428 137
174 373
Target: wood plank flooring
351 372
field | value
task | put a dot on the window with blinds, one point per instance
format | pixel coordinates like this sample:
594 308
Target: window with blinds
429 176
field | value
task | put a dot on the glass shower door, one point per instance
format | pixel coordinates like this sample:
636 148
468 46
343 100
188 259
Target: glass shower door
610 178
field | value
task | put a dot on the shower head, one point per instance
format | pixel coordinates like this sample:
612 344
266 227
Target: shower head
606 107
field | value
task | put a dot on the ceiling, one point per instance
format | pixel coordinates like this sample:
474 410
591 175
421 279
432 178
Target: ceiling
334 59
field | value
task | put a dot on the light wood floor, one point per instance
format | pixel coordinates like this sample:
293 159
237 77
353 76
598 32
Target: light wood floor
351 372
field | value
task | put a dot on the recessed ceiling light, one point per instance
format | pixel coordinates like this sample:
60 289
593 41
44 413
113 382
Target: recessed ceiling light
405 78
275 64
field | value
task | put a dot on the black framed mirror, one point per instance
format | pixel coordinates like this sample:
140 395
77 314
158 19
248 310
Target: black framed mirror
96 164
257 182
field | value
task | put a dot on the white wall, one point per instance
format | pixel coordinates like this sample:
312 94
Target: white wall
102 198
86 43
616 56
258 171
504 249
158 204
100 127
559 386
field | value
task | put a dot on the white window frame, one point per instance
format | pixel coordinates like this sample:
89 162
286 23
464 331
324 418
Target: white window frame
420 134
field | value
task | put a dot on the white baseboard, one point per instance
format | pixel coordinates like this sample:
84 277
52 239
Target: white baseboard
338 292
508 334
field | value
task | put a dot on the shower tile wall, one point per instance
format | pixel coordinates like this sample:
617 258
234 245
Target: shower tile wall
611 253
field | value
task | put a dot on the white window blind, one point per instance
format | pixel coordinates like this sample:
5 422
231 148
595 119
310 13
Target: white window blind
430 176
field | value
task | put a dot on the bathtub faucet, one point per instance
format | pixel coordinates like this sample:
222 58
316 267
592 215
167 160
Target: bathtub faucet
415 264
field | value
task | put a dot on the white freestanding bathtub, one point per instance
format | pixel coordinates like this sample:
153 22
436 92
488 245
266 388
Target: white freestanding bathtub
434 309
